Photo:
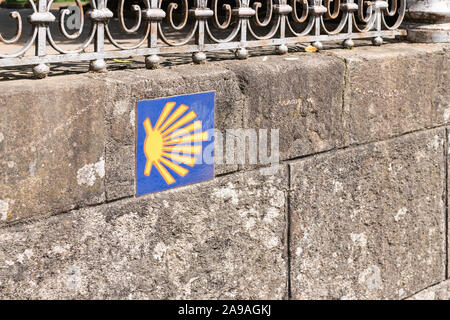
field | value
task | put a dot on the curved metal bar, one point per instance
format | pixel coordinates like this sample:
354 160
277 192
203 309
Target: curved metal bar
228 38
25 48
401 14
332 13
361 15
116 44
305 16
305 11
267 20
393 10
62 21
30 41
208 26
136 27
172 6
271 33
341 25
368 19
75 35
14 15
80 49
177 43
137 9
225 25
267 17
228 16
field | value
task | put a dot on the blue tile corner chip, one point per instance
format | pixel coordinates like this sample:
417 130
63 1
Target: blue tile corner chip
174 142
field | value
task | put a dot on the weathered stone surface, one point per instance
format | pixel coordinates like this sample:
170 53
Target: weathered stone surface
51 146
301 95
448 196
440 291
441 98
220 239
369 222
127 88
394 89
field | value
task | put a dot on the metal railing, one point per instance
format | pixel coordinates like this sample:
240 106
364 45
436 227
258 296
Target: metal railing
199 26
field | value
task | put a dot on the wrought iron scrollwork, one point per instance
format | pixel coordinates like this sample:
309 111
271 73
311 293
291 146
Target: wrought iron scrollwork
71 36
183 11
15 15
138 12
152 28
396 11
224 22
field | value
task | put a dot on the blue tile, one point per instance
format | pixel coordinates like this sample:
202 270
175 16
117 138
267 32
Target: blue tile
174 142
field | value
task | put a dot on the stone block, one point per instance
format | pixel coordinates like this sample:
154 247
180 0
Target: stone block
299 94
223 239
393 89
369 222
51 146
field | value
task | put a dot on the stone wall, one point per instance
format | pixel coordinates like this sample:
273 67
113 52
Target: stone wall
358 209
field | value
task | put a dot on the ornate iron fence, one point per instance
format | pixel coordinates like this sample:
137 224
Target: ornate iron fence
197 27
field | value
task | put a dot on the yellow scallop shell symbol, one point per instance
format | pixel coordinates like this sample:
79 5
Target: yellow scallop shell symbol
171 136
